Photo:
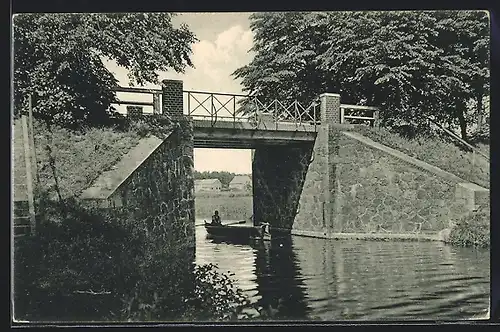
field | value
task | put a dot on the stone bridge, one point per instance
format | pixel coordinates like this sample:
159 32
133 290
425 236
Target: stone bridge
293 159
310 174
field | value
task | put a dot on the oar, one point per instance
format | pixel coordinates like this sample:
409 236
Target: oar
237 222
230 223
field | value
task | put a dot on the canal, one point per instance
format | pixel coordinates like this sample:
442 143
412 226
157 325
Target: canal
323 279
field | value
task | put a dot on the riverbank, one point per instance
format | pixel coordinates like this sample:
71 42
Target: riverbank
85 264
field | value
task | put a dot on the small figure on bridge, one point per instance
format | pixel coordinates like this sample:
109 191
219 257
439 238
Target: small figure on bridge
216 218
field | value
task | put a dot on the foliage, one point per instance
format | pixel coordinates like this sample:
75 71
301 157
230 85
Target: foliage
84 265
59 59
74 251
412 64
215 295
434 150
472 230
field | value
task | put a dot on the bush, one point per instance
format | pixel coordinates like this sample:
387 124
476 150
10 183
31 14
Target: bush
215 296
75 253
472 230
85 266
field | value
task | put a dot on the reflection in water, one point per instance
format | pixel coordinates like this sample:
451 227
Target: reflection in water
278 281
338 280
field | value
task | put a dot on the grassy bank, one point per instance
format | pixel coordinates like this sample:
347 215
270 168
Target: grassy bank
472 231
231 205
78 157
83 265
437 152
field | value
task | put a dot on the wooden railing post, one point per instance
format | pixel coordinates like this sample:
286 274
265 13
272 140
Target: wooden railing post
156 103
376 121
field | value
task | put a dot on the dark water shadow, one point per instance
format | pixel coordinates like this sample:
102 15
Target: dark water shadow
278 281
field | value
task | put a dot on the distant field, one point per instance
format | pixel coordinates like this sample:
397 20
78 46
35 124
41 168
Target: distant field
231 205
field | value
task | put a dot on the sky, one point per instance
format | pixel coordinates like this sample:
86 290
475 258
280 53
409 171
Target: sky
224 43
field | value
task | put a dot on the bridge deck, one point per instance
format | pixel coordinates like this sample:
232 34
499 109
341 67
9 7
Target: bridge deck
228 134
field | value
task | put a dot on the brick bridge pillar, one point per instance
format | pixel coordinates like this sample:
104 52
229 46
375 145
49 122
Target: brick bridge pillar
293 186
330 108
317 204
173 103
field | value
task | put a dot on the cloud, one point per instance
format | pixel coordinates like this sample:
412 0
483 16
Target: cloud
214 61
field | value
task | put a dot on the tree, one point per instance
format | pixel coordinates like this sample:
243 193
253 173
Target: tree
285 65
411 64
59 59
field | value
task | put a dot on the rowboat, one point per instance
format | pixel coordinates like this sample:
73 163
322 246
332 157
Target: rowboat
237 232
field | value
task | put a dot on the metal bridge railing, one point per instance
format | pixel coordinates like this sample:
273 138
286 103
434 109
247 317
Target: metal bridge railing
291 113
214 106
232 108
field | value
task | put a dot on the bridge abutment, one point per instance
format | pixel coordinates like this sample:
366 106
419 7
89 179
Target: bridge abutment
279 173
295 186
317 202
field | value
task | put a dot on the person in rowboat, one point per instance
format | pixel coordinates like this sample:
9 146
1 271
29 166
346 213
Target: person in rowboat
216 218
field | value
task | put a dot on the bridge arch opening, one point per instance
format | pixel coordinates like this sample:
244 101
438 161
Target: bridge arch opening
223 182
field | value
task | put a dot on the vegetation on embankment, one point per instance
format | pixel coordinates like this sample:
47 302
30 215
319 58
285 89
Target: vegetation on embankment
231 205
436 151
78 157
472 230
85 266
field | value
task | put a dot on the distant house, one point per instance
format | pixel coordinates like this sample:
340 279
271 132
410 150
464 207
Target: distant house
240 182
207 185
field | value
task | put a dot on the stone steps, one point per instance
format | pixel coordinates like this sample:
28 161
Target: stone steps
21 216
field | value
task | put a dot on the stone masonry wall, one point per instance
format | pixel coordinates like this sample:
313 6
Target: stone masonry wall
157 197
278 176
160 193
376 193
313 214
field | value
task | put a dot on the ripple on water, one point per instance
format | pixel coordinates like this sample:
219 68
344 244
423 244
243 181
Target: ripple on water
358 280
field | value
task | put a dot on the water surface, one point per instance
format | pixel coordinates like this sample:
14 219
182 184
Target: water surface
356 280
